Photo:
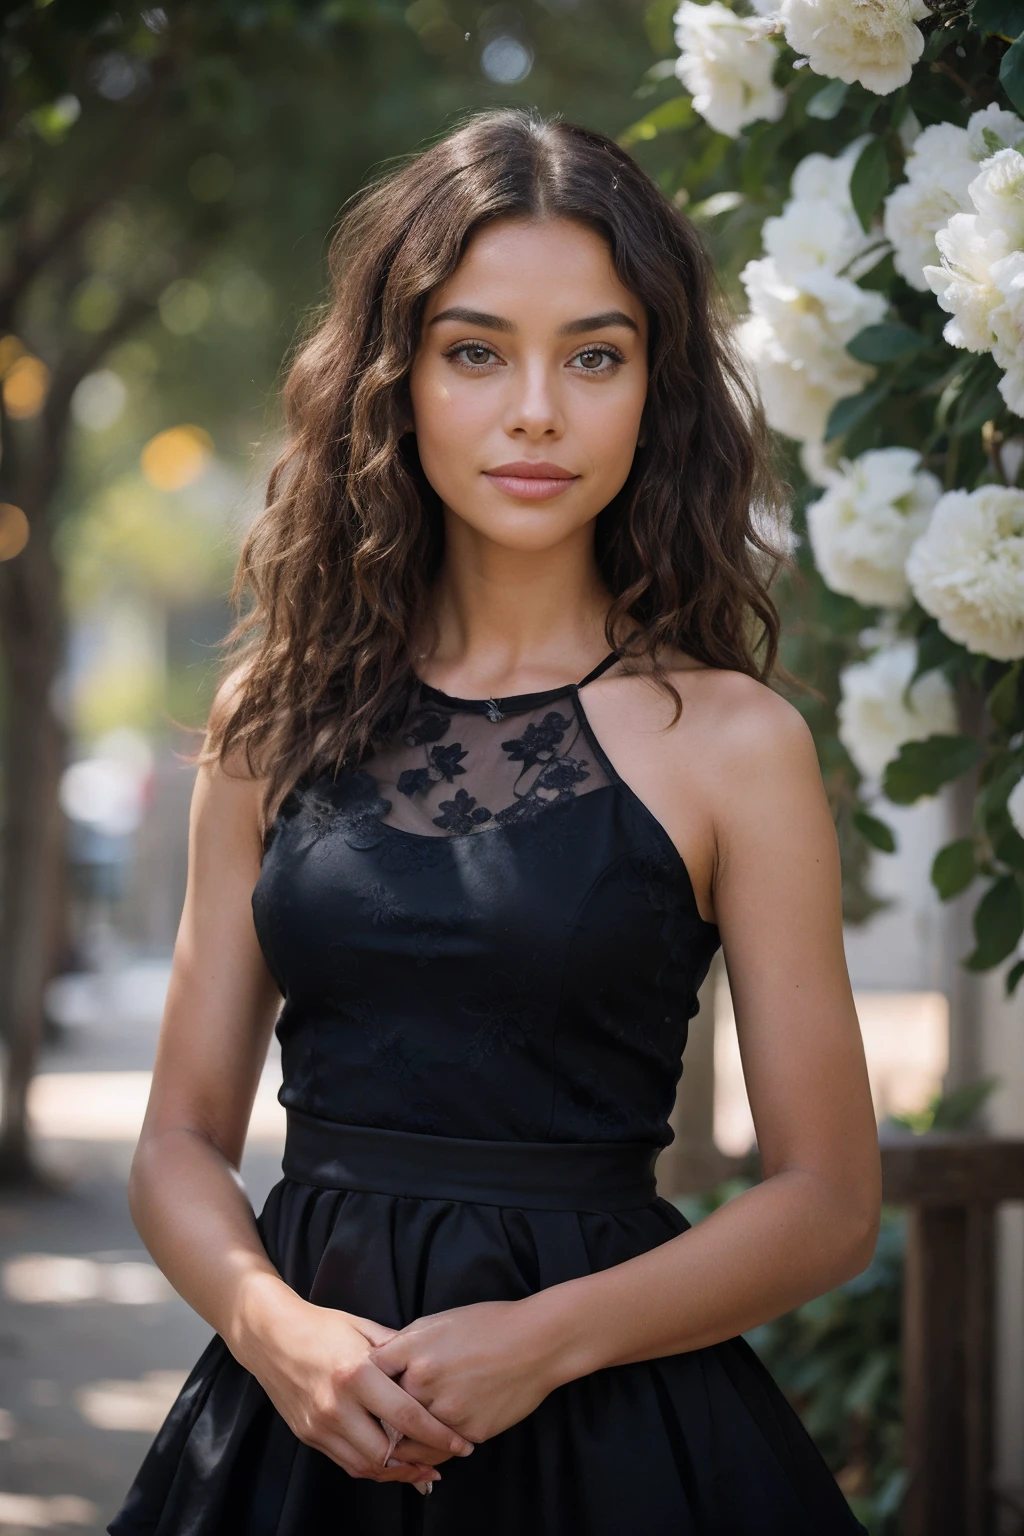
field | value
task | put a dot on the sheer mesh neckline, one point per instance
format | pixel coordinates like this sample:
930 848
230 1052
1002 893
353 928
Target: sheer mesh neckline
512 703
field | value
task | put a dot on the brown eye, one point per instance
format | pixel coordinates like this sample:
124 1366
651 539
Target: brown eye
598 359
473 352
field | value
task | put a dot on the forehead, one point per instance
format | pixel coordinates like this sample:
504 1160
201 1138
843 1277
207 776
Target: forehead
555 266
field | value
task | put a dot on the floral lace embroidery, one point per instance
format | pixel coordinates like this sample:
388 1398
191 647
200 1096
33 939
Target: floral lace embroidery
506 1017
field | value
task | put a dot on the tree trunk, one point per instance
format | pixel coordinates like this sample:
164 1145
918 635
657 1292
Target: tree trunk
966 988
31 843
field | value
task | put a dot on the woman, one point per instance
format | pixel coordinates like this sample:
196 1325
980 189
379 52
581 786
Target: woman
497 771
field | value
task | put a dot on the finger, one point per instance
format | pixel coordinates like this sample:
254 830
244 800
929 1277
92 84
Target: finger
394 1435
388 1401
377 1334
358 1445
415 1450
396 1471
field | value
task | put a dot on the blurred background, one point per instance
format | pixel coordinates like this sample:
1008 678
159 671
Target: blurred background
170 178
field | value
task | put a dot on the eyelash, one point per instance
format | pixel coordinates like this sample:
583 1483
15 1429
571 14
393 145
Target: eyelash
604 348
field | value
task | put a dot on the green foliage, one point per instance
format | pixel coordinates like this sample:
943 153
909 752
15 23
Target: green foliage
998 923
853 410
837 1358
892 342
876 832
948 1112
922 767
1005 17
924 394
870 180
954 867
1011 74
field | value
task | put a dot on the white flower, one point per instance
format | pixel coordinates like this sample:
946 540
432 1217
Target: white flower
876 715
995 123
1015 806
726 65
940 170
967 569
963 284
862 528
796 342
1006 321
873 42
997 192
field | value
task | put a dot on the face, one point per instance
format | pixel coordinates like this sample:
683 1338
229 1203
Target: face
529 383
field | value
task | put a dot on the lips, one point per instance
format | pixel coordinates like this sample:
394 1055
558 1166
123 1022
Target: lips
531 479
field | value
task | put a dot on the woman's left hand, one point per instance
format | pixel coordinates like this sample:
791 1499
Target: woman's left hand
478 1368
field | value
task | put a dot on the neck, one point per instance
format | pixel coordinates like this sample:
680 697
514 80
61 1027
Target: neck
502 612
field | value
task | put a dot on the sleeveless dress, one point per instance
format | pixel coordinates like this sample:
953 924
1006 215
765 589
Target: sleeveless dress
489 951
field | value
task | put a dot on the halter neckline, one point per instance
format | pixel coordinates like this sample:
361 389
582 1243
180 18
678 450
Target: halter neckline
513 703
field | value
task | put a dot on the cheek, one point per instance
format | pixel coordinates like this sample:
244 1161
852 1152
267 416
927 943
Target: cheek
447 417
610 426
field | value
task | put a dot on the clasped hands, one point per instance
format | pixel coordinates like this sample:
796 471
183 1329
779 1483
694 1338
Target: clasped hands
444 1383
478 1369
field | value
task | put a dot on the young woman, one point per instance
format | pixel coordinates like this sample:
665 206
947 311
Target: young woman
496 773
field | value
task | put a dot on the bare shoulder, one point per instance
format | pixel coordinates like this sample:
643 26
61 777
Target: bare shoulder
728 719
229 795
743 721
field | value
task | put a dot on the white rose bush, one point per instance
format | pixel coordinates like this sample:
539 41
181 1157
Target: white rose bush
857 167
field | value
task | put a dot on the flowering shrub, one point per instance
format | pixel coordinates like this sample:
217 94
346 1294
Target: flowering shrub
858 167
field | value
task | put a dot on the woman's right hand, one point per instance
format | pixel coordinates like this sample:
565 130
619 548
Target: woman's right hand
313 1363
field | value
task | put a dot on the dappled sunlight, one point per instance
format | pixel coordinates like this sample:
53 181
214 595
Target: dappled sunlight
109 1106
27 1512
130 1405
51 1279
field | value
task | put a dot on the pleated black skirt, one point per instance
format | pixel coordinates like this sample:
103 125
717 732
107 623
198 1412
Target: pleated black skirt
696 1444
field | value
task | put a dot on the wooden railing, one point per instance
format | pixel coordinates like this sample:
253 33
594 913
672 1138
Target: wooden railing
950 1184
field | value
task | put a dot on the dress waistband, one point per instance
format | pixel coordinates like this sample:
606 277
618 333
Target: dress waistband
531 1175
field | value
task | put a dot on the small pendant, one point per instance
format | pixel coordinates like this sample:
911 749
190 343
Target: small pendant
493 712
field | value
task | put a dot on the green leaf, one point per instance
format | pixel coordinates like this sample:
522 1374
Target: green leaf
828 102
975 410
954 1110
666 118
922 767
1013 976
953 868
885 343
1003 16
875 832
998 924
1005 700
993 143
1011 73
935 649
1008 847
869 180
852 409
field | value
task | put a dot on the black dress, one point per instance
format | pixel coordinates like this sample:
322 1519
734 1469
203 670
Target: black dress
489 952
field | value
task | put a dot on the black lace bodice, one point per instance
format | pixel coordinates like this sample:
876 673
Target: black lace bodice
482 932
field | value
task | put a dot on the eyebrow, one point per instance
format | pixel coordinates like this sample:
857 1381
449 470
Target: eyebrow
571 328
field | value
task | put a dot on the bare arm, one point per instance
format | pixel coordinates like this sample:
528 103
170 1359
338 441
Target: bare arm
812 1222
185 1191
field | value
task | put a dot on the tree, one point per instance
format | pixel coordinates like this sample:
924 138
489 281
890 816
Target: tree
139 146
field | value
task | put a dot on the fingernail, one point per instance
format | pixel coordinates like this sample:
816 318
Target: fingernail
462 1448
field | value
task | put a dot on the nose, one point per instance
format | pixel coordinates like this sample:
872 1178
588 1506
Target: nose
534 408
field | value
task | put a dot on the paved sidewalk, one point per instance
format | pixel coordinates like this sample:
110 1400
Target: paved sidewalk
93 1342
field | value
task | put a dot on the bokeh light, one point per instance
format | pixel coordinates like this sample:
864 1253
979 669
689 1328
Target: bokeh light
174 458
14 530
26 382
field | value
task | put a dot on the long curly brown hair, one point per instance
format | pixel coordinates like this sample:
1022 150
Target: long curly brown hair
335 574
